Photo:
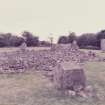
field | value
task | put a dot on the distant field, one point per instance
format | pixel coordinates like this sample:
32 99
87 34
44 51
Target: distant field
32 88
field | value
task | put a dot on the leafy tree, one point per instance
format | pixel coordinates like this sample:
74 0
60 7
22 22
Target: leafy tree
87 39
63 40
72 37
4 39
45 44
30 39
16 41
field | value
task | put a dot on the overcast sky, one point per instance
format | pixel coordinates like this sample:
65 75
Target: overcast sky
58 17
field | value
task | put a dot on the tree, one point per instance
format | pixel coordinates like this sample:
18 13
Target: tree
45 44
72 37
4 39
16 41
87 39
30 39
63 40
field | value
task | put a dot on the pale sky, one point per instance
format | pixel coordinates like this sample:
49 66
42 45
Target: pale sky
59 17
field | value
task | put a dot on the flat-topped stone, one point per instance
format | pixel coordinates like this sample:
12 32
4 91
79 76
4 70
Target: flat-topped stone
69 76
70 66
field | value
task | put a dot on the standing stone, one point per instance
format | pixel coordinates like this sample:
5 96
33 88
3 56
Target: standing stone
103 45
57 77
69 76
75 45
23 47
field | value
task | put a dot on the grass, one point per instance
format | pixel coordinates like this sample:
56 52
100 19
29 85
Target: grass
32 88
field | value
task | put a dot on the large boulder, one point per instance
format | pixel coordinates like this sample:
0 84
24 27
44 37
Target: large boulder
69 76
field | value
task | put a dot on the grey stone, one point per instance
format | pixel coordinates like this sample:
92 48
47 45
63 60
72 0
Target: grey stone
23 46
103 45
69 76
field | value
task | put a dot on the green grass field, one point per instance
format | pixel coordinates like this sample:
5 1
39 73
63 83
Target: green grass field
32 88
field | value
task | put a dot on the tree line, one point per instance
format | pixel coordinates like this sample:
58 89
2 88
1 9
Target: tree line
85 40
10 40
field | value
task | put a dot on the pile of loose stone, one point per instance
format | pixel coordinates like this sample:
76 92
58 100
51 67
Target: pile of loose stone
45 60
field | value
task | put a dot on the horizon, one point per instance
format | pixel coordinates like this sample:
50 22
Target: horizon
52 18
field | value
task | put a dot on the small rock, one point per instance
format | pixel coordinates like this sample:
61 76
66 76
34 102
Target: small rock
72 93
